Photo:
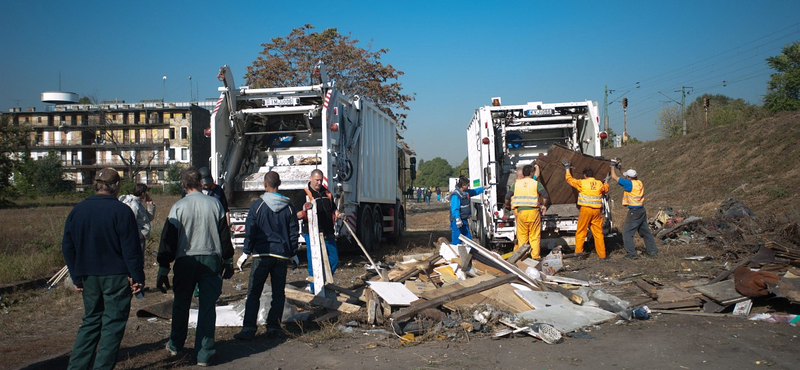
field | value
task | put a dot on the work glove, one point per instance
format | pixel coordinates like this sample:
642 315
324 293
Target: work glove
227 269
240 262
306 207
459 223
608 177
294 261
566 163
162 281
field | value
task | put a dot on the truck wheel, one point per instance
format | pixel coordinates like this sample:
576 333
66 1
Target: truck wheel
399 224
377 224
367 229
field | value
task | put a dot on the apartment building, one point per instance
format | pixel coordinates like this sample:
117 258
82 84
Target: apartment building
142 138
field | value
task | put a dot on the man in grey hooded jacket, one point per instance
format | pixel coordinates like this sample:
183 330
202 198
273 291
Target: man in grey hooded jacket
271 234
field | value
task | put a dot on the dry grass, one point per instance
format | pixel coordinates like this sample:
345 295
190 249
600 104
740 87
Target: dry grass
31 245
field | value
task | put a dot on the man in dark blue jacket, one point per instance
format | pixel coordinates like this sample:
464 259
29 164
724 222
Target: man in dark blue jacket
106 263
271 234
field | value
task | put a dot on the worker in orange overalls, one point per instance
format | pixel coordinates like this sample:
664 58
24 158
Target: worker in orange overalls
528 208
590 194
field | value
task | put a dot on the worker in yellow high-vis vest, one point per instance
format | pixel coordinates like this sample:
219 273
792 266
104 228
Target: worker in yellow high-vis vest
529 201
590 194
633 198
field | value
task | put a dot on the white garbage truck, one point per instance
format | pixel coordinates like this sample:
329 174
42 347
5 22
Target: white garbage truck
294 130
502 138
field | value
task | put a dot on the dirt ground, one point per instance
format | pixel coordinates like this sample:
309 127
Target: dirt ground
37 326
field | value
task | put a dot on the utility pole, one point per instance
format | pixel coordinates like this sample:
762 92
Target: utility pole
190 89
164 89
605 109
683 106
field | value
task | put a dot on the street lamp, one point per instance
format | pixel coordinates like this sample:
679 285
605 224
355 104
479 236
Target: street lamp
164 91
190 89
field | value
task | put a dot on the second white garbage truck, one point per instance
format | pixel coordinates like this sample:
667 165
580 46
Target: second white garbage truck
501 138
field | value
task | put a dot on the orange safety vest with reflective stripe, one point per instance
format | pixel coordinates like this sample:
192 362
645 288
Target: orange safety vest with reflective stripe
590 191
526 193
310 198
635 197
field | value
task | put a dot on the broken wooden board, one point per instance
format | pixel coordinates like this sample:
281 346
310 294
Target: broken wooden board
419 287
501 297
692 302
316 245
308 298
417 268
647 288
421 305
568 318
723 292
485 269
395 294
789 286
670 294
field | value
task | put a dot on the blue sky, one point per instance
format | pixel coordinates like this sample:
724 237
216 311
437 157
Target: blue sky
456 55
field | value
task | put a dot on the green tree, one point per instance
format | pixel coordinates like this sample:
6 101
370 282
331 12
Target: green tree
12 139
174 176
783 88
287 61
462 169
435 172
44 176
669 122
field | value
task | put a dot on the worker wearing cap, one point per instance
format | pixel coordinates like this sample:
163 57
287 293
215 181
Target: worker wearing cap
590 199
633 198
461 209
211 188
528 198
106 263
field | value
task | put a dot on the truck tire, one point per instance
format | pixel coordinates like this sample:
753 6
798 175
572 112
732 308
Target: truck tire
399 224
377 234
478 232
366 228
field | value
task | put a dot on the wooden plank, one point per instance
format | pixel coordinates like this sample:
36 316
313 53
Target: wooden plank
724 275
415 270
486 269
317 266
502 297
688 313
574 298
723 292
671 294
326 263
511 268
421 305
521 252
348 292
331 314
447 289
317 300
465 257
647 288
677 304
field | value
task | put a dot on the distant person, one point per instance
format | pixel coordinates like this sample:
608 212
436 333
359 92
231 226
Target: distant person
590 199
143 209
327 213
271 234
211 188
428 195
633 198
106 262
438 195
461 209
419 195
197 238
528 198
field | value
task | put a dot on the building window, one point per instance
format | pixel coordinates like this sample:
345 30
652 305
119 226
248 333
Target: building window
183 115
126 136
38 119
172 133
184 132
171 154
185 154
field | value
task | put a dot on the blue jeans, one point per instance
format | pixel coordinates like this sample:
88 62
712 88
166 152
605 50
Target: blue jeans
637 221
333 255
275 269
456 231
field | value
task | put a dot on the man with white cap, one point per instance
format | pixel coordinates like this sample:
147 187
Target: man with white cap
633 198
